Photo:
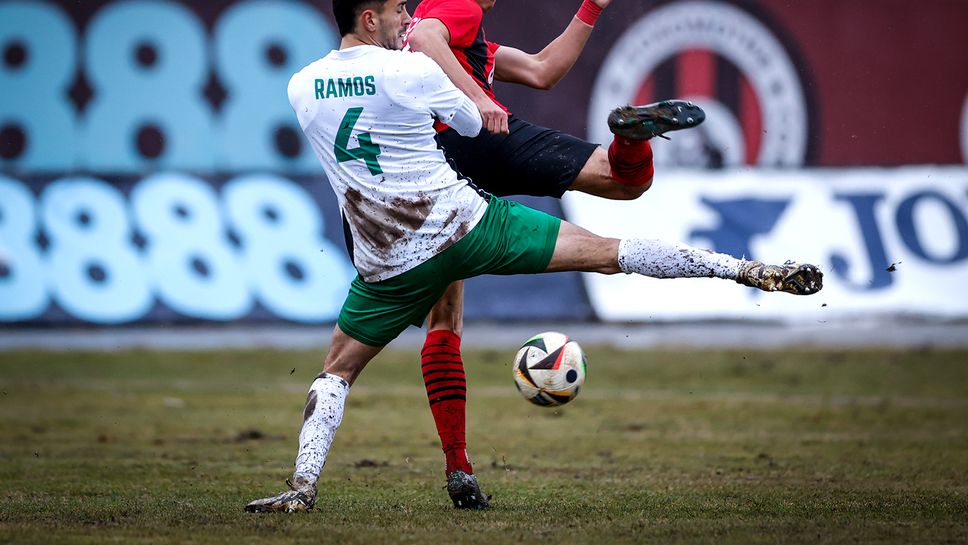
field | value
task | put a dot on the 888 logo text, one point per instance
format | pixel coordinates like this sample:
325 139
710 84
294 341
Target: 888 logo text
106 257
143 85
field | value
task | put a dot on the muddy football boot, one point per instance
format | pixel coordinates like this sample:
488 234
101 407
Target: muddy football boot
645 122
301 497
795 278
465 492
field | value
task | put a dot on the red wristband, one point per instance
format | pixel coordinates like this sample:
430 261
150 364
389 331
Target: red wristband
588 12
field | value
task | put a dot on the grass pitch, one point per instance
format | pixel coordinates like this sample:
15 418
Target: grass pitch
661 446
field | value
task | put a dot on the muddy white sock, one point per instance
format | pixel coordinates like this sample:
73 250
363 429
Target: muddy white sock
660 259
321 419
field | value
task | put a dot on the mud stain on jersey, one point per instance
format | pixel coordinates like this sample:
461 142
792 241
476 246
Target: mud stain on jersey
380 226
462 230
410 214
450 219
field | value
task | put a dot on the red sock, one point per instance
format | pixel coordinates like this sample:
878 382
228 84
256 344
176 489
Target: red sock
631 161
443 374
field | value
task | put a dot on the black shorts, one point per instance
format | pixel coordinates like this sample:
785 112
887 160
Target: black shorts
532 160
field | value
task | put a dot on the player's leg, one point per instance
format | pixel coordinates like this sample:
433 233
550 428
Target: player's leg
444 377
372 315
578 249
626 170
448 312
517 163
531 160
321 418
514 239
598 177
446 385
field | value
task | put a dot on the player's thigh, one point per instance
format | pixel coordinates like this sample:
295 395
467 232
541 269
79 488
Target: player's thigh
375 313
578 249
511 238
531 160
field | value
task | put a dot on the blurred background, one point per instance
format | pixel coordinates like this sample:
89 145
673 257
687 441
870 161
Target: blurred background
152 172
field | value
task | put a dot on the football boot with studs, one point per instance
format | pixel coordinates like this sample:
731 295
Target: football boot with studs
300 498
791 277
651 120
465 491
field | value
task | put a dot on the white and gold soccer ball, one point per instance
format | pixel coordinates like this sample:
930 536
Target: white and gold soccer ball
549 369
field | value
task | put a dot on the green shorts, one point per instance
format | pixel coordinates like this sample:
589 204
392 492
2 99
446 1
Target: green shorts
510 239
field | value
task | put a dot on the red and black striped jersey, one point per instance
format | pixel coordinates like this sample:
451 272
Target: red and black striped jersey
464 21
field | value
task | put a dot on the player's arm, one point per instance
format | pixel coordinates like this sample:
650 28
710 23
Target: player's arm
431 37
304 109
466 119
447 102
543 70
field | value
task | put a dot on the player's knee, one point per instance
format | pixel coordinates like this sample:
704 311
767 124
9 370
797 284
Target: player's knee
344 365
445 323
447 314
345 369
631 192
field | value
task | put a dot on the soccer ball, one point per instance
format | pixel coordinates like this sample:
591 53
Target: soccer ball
549 369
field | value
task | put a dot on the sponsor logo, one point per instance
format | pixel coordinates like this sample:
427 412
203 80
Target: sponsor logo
726 61
889 241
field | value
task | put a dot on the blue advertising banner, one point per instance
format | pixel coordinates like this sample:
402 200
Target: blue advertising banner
174 246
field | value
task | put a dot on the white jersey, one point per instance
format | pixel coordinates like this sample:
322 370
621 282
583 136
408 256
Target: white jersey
368 114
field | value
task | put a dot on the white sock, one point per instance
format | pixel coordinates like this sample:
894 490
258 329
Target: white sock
660 259
321 419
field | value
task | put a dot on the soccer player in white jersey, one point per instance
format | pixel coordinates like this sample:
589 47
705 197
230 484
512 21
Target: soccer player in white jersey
368 112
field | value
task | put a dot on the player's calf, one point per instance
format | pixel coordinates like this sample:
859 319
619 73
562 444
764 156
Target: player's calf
602 172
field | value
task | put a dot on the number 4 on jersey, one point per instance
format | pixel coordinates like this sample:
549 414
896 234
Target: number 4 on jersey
367 150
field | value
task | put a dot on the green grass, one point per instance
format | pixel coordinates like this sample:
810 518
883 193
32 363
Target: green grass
662 446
